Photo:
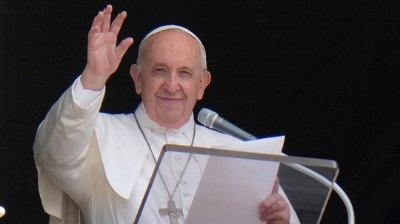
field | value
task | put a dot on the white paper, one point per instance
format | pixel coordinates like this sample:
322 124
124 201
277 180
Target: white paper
232 189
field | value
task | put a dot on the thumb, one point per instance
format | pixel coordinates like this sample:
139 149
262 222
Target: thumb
123 47
276 186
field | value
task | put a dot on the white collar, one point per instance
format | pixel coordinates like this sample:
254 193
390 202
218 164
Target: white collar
146 122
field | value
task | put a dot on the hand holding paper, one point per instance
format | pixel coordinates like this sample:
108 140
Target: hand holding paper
274 209
232 189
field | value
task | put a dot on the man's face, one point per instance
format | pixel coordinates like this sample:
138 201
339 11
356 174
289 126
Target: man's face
171 78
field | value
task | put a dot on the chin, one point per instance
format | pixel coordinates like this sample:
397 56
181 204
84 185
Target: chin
174 121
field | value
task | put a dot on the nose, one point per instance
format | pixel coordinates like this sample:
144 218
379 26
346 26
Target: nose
172 83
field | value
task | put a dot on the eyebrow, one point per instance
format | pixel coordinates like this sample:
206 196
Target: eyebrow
160 64
181 68
188 69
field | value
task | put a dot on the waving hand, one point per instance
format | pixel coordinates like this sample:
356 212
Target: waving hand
103 53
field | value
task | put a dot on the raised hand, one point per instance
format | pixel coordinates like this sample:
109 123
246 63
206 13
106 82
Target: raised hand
103 53
274 209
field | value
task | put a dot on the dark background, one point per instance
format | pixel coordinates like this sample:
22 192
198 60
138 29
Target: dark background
323 73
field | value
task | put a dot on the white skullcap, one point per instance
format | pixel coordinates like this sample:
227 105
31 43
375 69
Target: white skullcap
168 27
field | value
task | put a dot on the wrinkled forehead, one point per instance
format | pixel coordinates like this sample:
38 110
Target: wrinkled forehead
170 27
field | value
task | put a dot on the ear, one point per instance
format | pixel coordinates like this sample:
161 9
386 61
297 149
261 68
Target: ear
204 82
136 77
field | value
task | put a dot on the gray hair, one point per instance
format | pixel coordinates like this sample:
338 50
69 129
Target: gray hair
143 44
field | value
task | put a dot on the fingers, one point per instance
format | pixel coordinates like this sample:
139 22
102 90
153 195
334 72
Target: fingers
277 205
101 23
277 218
123 47
276 186
117 23
274 207
101 26
105 23
269 202
95 29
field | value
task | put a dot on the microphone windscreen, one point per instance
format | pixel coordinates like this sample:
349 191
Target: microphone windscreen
206 117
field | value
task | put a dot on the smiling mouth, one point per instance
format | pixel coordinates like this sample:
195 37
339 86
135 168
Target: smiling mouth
169 99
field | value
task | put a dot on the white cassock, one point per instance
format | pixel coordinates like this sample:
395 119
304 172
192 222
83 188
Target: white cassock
95 167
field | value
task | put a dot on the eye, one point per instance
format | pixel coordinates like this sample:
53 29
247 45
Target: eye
160 71
185 74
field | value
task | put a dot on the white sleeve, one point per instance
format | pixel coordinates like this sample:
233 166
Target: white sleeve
84 97
61 147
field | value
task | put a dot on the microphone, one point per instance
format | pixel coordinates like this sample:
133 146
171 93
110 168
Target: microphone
212 120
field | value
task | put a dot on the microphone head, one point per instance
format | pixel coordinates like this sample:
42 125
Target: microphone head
207 117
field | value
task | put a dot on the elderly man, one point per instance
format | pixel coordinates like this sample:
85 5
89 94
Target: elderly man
95 167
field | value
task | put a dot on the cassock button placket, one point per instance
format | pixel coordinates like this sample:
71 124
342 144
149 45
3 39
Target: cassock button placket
183 182
169 135
173 212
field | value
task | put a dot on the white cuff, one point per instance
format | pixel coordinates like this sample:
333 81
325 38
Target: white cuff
84 97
